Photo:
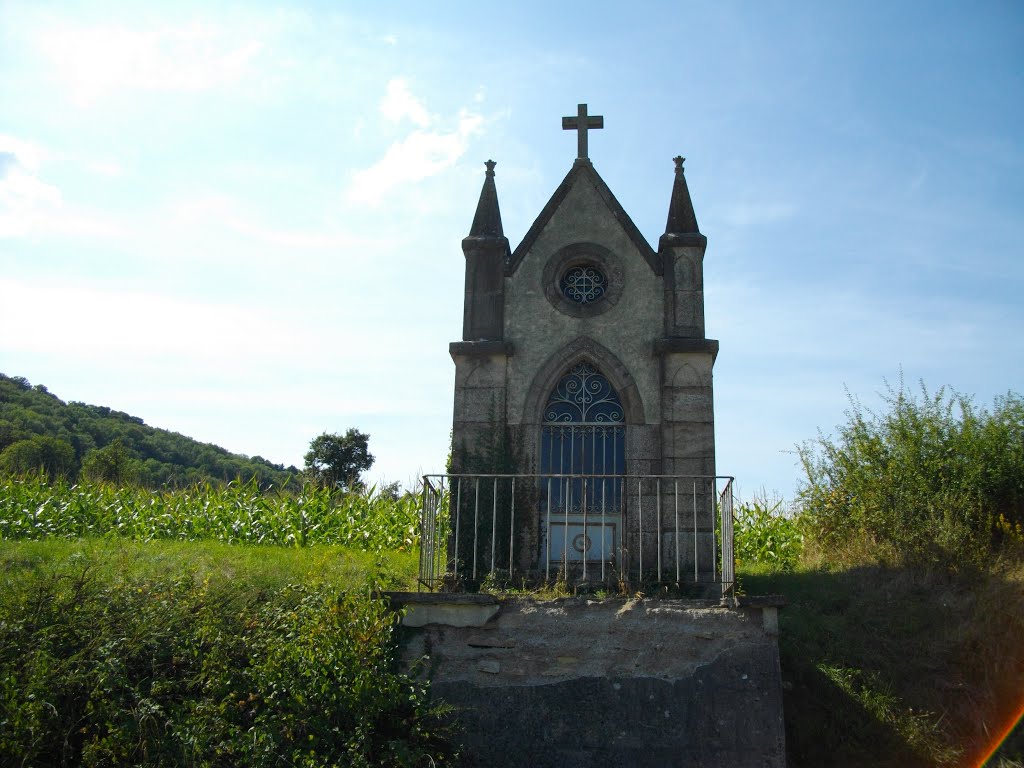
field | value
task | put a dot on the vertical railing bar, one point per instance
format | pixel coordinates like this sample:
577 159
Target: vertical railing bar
567 501
433 537
695 530
494 522
547 558
620 486
604 521
675 492
640 510
657 526
432 546
585 547
476 525
458 522
423 531
713 495
512 528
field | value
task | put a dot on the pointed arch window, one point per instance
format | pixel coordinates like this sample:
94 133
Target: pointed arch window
584 431
583 441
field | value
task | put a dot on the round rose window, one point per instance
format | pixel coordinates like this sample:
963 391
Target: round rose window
583 283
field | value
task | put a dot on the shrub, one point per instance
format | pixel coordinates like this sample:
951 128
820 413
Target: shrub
932 480
100 667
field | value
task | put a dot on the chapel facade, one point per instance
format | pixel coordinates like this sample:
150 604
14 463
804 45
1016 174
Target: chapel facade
584 355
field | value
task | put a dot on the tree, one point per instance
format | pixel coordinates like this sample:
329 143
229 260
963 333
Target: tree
54 457
112 464
337 461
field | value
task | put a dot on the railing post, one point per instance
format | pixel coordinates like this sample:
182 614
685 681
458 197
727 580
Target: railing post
657 525
476 525
640 513
696 571
675 493
458 518
512 528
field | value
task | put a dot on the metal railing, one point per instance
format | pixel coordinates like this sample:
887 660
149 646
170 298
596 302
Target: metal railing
509 530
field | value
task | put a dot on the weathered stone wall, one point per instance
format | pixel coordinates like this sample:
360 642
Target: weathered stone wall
614 682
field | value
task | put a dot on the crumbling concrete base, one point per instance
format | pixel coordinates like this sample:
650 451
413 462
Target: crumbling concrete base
613 682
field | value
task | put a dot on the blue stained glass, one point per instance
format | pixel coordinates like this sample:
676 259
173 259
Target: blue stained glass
584 396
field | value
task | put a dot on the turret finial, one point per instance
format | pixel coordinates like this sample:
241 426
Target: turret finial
487 221
681 218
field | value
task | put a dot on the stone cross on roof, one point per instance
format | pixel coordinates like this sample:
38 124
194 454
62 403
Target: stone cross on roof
581 124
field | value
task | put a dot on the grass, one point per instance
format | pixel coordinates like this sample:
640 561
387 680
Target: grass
897 666
257 567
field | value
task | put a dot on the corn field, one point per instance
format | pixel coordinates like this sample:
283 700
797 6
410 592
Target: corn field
32 508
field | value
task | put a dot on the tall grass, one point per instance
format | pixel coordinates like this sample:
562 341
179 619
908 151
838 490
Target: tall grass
33 508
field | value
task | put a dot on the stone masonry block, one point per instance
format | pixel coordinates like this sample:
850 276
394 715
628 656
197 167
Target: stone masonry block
484 404
487 371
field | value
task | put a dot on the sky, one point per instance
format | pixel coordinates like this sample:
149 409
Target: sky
243 222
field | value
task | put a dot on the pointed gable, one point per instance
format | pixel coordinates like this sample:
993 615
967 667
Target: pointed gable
582 172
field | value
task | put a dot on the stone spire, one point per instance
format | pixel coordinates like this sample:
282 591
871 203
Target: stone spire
487 221
487 252
681 218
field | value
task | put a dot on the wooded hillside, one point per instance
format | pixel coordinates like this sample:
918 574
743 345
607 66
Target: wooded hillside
39 430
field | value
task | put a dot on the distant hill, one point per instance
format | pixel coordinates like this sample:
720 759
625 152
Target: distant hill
29 413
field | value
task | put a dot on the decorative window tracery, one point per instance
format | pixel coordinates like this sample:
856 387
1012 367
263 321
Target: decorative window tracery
584 395
583 284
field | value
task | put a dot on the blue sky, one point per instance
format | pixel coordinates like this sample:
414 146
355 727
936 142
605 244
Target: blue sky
242 222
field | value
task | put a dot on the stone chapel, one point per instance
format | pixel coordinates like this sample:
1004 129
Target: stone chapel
584 357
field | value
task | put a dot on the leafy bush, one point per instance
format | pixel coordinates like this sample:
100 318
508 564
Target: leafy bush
933 480
98 667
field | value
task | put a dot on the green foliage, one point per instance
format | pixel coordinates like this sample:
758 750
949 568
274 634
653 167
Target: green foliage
237 513
112 464
337 461
102 666
927 481
52 457
766 537
167 458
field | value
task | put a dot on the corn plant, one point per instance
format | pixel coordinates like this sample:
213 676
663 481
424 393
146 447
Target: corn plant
33 508
765 536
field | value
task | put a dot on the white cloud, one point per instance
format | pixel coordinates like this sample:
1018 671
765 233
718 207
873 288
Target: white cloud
83 320
24 198
399 103
418 156
109 168
201 211
94 61
30 206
